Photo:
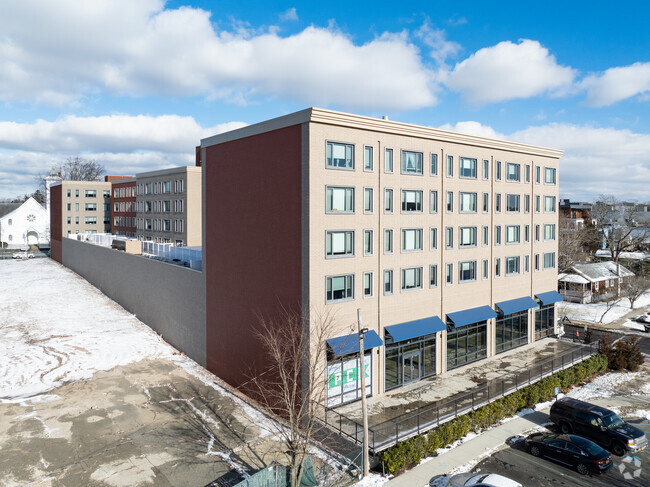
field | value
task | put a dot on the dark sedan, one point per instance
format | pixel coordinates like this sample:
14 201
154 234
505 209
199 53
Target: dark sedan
573 451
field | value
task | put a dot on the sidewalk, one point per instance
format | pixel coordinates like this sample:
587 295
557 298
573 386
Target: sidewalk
474 450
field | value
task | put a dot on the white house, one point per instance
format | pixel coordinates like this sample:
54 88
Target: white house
24 224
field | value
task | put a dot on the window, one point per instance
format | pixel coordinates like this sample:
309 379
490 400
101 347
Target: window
90 220
497 235
549 260
434 164
388 200
450 166
147 188
367 159
467 237
549 204
467 271
167 225
433 276
388 282
91 193
450 201
367 284
368 204
69 206
411 162
486 235
339 288
339 244
526 203
388 160
167 187
512 203
486 202
367 242
449 274
467 168
147 206
411 278
411 239
91 206
76 220
76 193
467 202
339 156
512 234
497 267
411 201
69 193
497 202
512 265
497 170
486 169
388 241
339 200
486 266
179 186
148 224
526 262
549 231
537 174
536 233
513 172
433 201
536 262
449 237
549 175
76 207
69 220
528 173
433 238
537 203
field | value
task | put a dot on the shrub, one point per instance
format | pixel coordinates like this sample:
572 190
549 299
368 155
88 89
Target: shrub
411 451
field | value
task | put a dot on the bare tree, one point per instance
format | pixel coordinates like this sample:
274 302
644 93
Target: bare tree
608 307
576 242
75 169
636 287
293 386
615 221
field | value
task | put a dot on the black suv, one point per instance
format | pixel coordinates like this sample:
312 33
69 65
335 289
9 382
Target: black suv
598 424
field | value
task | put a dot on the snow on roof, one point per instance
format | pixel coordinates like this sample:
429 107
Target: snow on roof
623 255
572 278
600 271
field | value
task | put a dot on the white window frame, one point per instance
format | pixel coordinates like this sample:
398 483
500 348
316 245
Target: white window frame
516 177
388 200
329 156
403 201
368 162
433 238
433 275
517 198
418 169
449 274
449 202
552 259
553 172
450 166
517 260
368 200
417 238
348 237
449 237
433 201
517 232
388 280
470 231
368 242
553 204
346 189
367 285
486 169
547 227
461 200
417 278
485 271
497 235
388 161
347 277
472 168
433 167
388 241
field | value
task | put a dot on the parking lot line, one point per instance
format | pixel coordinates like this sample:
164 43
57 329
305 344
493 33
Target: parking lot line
547 467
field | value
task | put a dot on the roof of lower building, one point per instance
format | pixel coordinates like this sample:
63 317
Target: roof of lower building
6 208
600 271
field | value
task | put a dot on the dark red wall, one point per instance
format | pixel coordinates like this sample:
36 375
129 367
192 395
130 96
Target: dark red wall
56 222
252 244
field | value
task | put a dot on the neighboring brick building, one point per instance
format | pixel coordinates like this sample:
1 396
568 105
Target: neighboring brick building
445 241
123 206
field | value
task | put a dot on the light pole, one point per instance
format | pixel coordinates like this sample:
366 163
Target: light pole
364 409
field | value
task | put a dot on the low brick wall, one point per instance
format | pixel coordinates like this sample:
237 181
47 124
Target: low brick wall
168 298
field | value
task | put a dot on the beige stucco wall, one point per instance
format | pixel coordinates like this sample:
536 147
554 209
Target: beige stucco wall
379 311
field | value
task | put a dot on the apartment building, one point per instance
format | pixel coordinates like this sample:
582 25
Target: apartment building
84 207
168 206
124 206
446 242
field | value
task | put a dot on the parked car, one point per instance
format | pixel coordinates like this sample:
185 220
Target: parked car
571 450
23 254
645 317
601 425
481 480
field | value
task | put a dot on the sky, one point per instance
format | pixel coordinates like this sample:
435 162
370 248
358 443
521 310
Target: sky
135 85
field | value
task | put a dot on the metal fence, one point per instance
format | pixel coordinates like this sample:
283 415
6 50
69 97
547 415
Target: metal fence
385 434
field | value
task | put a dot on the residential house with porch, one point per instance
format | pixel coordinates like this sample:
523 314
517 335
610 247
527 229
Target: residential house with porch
592 282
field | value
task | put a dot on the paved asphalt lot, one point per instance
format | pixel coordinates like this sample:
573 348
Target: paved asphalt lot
519 465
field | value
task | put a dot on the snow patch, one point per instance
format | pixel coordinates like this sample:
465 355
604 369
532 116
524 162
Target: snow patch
603 386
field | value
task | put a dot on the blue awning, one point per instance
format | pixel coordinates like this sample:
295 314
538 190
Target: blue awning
549 297
516 305
350 343
465 317
417 328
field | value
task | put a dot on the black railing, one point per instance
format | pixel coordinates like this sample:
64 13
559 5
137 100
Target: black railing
387 433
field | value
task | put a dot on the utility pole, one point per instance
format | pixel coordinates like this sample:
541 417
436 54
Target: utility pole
364 409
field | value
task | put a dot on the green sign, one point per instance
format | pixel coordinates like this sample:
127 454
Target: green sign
346 376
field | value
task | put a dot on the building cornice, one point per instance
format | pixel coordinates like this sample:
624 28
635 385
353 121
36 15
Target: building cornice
341 119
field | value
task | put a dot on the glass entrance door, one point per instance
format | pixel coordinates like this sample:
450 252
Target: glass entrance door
410 366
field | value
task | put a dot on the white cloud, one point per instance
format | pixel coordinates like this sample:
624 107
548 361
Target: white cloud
595 161
508 71
617 84
436 39
141 49
289 14
123 144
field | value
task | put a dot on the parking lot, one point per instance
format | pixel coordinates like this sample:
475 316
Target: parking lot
516 463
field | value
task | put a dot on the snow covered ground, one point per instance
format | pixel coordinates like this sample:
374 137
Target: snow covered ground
592 312
73 332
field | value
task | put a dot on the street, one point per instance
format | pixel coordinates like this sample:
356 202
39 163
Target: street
644 342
